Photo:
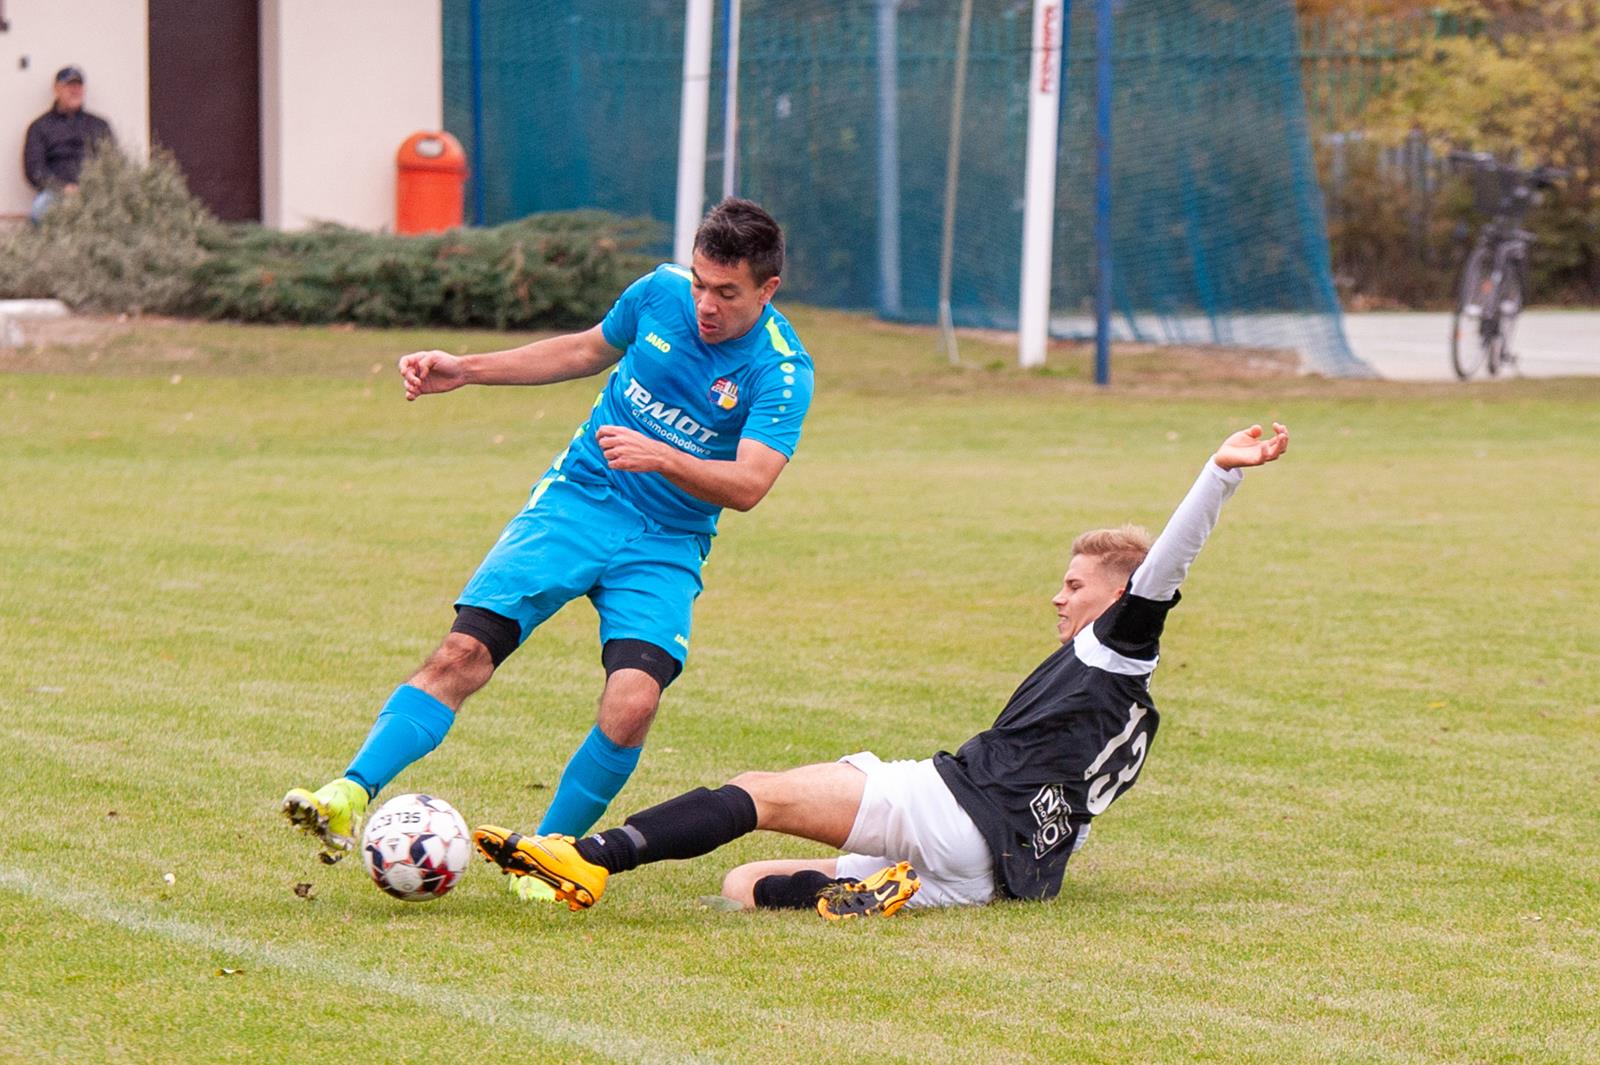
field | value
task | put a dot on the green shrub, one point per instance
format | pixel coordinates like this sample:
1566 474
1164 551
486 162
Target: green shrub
1393 243
126 241
552 270
133 240
1529 87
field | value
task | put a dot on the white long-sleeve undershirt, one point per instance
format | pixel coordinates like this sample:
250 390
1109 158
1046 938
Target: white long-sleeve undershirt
1165 567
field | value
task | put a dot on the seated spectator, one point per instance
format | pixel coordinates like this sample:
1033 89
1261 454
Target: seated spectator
58 142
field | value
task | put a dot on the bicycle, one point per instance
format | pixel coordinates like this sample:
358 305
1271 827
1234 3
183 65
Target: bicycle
1493 281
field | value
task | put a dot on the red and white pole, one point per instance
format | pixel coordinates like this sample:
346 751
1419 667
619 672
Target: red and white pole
1039 204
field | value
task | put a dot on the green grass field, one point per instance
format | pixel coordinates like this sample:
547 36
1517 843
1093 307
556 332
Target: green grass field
1367 831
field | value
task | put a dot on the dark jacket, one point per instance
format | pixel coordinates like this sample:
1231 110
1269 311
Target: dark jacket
58 143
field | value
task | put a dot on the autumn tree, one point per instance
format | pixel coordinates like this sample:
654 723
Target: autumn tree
1520 78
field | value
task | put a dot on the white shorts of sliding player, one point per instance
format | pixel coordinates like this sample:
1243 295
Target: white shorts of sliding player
908 815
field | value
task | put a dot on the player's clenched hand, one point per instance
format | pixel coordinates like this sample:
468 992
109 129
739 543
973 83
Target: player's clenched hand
1246 448
634 452
429 372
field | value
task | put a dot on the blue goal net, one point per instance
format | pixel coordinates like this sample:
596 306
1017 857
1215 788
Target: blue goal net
843 129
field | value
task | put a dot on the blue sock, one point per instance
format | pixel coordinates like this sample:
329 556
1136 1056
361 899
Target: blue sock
593 777
410 725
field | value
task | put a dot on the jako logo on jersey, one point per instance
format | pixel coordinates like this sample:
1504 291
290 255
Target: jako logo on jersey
657 343
727 393
673 417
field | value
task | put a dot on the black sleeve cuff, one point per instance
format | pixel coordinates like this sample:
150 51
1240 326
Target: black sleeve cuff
1133 625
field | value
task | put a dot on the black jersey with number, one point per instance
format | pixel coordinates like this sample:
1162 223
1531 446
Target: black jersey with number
1071 739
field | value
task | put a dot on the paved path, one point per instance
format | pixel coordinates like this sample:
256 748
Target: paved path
1414 346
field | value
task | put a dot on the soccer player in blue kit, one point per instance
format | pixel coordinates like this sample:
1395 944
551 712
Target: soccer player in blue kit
702 411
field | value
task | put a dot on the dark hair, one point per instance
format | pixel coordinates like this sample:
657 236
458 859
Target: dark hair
739 230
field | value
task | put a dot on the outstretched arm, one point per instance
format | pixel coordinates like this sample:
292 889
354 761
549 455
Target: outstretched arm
1170 556
561 358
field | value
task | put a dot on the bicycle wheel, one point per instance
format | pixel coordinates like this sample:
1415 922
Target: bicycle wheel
1509 306
1469 346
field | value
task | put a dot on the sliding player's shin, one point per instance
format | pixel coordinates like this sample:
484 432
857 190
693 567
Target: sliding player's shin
694 823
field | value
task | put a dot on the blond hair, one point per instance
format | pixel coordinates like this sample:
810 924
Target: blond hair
1119 550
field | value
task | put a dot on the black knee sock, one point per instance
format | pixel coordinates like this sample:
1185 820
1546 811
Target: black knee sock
616 849
694 823
795 891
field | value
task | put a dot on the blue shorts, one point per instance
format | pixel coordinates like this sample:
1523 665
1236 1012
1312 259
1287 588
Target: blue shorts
577 539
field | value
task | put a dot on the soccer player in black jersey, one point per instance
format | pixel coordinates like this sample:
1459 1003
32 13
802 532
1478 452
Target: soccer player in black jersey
1001 816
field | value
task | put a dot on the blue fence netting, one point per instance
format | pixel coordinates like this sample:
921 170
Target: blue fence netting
1217 228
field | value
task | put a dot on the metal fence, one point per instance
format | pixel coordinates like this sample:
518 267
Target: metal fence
1347 62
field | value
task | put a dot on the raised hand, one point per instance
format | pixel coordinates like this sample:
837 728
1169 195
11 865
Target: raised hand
431 372
1246 448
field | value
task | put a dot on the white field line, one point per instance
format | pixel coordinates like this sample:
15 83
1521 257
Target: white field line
538 1015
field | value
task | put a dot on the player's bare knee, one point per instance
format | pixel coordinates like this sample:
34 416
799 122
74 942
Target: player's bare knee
754 782
627 711
463 654
631 705
460 664
740 885
767 792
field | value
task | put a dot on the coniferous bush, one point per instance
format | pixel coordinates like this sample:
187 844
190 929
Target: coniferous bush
127 241
552 271
134 240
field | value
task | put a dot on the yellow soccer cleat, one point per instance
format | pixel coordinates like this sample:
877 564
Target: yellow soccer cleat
332 813
551 860
882 893
530 889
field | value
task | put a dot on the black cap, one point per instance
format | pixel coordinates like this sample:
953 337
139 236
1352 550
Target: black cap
66 74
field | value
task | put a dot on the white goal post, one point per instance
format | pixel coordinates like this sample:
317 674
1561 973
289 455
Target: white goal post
1039 204
1038 215
692 126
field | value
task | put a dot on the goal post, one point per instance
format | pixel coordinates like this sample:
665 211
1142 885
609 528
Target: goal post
692 125
1039 198
843 133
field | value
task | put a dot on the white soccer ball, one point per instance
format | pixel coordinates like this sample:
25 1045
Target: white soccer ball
416 847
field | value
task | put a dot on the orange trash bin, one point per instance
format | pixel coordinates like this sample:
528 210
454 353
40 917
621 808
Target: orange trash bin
428 187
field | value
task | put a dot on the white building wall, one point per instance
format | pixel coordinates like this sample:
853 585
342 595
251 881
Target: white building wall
109 40
342 85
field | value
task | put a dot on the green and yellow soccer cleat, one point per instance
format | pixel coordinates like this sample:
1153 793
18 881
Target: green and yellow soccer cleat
332 813
882 893
551 860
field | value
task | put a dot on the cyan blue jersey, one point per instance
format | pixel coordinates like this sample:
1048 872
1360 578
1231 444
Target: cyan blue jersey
700 398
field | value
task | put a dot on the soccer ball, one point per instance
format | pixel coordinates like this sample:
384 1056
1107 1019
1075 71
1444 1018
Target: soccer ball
416 846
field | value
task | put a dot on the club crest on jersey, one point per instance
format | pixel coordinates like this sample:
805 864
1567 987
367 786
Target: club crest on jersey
726 393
